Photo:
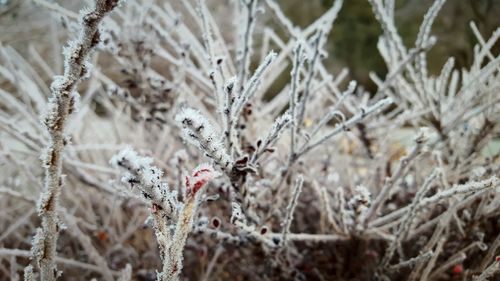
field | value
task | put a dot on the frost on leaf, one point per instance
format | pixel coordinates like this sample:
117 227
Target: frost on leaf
138 170
198 131
37 248
201 176
361 199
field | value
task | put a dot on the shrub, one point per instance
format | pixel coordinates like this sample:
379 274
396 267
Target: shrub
308 182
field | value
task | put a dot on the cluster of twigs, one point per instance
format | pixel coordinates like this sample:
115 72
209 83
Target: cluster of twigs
304 182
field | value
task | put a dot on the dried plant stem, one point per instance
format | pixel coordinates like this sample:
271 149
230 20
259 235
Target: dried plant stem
91 251
409 216
311 237
434 240
56 8
208 43
389 183
213 263
490 271
377 107
244 59
172 263
60 260
295 77
468 188
491 253
411 262
297 188
28 273
324 198
311 71
60 107
432 262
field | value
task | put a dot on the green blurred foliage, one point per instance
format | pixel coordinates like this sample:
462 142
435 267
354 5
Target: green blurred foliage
353 40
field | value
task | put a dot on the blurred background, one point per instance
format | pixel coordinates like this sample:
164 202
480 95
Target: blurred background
352 43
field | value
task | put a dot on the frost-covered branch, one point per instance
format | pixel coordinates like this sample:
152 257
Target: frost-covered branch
468 188
61 105
245 50
227 120
490 271
251 85
165 207
60 260
297 189
90 250
264 145
326 205
28 273
294 96
209 46
411 262
199 131
420 140
408 218
333 111
377 107
311 71
167 212
491 253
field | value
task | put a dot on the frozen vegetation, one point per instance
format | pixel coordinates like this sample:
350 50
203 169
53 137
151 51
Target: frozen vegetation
176 145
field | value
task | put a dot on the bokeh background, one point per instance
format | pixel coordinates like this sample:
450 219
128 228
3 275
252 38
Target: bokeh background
351 44
353 41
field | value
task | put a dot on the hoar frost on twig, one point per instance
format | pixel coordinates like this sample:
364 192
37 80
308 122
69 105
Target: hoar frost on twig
61 105
173 220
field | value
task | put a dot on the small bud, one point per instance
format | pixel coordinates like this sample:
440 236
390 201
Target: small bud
263 230
216 222
270 149
102 235
457 269
202 252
